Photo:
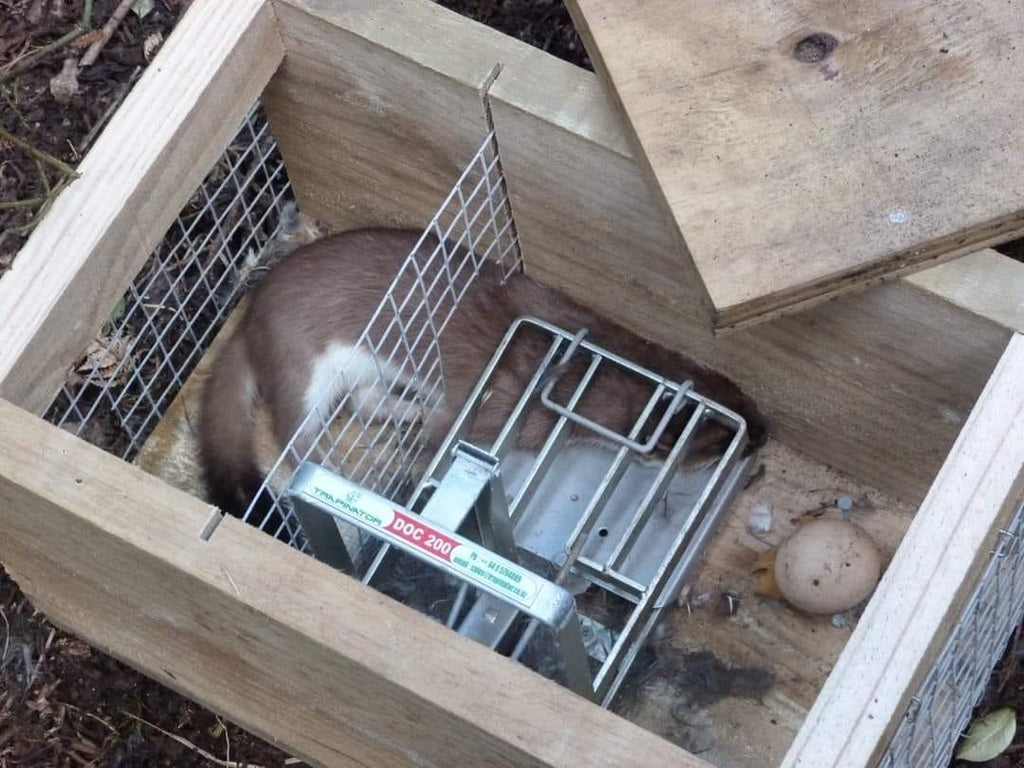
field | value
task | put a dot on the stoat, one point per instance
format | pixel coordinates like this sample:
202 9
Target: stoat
305 317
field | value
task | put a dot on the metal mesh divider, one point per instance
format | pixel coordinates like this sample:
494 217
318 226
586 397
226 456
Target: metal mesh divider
391 380
942 706
117 392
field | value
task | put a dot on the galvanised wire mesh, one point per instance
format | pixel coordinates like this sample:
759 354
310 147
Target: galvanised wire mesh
942 707
368 425
116 393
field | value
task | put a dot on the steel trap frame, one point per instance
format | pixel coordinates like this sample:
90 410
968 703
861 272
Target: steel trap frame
493 501
470 487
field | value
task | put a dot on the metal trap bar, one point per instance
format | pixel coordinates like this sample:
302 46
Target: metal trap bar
645 565
472 485
115 395
393 379
941 708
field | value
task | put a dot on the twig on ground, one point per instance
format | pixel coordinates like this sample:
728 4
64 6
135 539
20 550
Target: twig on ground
108 30
43 178
38 154
47 203
227 739
7 637
195 748
97 718
8 204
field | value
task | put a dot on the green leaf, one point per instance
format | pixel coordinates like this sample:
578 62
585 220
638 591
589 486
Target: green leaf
989 736
115 315
142 8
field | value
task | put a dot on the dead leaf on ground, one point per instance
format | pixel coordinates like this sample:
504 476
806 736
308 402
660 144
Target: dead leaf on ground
12 40
34 15
106 361
86 39
151 45
142 8
41 703
75 648
64 86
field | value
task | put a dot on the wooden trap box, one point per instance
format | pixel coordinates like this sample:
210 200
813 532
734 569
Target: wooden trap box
911 392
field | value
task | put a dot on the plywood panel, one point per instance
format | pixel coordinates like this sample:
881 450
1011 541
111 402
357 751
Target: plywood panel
806 147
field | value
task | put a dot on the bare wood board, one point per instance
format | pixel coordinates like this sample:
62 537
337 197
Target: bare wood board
705 696
804 148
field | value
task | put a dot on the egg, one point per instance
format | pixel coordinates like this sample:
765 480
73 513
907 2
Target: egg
827 566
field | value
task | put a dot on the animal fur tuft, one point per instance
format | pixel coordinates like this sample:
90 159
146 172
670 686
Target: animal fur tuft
230 472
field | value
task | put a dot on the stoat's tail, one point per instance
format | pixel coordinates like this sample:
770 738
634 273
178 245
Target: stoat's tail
227 426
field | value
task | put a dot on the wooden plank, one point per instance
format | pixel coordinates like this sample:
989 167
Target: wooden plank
987 286
390 95
794 180
283 645
875 384
134 181
920 597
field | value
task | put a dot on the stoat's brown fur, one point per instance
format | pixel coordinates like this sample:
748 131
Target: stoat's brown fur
314 305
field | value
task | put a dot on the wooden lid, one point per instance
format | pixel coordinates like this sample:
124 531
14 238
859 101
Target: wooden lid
807 147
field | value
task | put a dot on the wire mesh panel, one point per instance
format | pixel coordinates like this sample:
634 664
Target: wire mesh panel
369 421
116 393
942 707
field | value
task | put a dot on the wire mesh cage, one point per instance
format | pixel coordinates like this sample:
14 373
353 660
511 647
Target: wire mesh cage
941 708
368 422
116 393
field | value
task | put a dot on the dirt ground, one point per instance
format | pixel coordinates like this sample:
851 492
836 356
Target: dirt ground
63 703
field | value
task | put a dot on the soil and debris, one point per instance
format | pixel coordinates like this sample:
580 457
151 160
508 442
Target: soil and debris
54 105
545 24
62 703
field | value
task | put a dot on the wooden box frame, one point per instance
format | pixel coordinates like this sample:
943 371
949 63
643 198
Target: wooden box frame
915 386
